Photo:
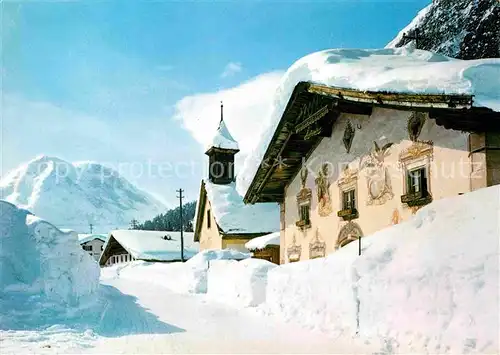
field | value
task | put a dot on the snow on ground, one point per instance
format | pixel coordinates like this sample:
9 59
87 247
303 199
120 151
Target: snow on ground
403 70
263 241
44 273
429 284
241 283
190 277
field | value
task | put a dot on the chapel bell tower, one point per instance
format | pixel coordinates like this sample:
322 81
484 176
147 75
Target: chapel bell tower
221 154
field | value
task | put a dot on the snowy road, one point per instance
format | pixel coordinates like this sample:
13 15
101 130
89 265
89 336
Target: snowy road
140 317
191 324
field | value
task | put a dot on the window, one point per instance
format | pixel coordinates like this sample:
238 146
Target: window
349 199
417 181
87 247
209 220
304 213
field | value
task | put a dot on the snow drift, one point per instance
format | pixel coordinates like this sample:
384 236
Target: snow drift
188 277
42 269
239 282
429 284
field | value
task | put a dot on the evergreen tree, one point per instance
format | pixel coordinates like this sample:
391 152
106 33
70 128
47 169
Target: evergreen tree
171 220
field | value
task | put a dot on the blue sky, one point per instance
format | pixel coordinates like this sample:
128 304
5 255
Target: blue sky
112 81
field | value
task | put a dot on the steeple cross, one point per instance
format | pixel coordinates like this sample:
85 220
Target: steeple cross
416 36
221 112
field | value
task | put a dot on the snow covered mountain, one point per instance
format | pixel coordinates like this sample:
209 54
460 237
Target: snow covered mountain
74 195
464 29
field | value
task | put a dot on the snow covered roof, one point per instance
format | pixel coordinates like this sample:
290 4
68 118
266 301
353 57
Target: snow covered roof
84 238
232 215
264 241
405 71
223 139
151 245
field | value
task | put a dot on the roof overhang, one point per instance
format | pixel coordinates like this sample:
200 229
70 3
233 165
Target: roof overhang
313 109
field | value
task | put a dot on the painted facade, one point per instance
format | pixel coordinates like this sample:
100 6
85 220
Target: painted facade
370 156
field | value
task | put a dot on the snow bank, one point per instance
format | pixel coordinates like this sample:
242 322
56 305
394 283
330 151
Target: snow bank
232 215
239 282
188 277
41 267
402 70
264 241
429 284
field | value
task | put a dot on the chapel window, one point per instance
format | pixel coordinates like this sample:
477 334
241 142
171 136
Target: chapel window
209 219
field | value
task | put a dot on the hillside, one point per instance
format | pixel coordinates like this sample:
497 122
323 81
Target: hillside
464 29
74 195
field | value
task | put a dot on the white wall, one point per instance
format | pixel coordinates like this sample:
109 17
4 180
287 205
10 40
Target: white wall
383 126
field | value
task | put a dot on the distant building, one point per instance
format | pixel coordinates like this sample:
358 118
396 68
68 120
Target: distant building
161 246
223 221
93 244
266 247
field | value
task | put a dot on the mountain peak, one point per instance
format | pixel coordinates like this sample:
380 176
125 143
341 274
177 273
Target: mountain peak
464 29
73 195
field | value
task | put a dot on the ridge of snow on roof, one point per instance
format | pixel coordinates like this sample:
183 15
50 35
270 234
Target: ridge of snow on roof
398 70
150 245
84 238
264 241
223 139
234 217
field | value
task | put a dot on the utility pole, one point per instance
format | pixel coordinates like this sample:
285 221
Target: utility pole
180 191
91 227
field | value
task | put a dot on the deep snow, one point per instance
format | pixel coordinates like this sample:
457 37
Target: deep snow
427 285
44 273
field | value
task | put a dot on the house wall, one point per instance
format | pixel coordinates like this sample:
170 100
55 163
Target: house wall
119 259
209 237
236 244
450 174
96 245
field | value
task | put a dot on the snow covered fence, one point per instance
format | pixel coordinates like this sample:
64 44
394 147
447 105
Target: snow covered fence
429 284
239 282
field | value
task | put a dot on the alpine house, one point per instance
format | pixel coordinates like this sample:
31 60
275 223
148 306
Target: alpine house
367 137
223 221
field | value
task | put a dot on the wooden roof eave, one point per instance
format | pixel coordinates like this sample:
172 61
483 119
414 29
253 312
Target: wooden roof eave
410 101
199 213
252 193
402 101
